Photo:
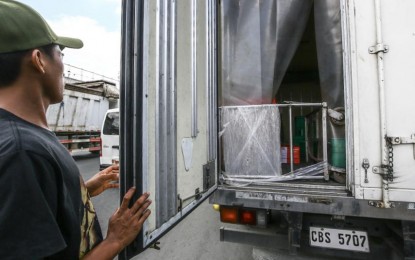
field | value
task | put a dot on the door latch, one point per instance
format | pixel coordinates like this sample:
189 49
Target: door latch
366 166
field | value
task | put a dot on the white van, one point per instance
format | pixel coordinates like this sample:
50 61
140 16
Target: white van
110 138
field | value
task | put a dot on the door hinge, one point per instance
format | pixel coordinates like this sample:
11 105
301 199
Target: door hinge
404 140
378 48
209 175
180 200
179 203
198 195
155 245
379 170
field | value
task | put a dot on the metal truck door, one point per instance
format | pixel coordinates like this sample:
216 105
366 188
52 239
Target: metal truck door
168 134
379 85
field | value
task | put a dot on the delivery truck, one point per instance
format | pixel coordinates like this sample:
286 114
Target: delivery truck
77 120
292 116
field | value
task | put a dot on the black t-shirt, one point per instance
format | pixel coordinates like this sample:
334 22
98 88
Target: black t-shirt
45 210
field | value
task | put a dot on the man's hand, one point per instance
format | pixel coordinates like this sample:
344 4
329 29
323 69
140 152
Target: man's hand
124 226
127 222
103 180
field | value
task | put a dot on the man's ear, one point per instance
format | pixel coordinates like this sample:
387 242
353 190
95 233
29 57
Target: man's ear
38 61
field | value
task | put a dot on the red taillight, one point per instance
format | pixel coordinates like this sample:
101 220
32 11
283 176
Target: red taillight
248 217
237 215
229 215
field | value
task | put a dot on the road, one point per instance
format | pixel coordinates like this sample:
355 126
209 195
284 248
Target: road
196 237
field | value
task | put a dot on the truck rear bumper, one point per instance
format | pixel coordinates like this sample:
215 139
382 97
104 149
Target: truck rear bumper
254 238
296 199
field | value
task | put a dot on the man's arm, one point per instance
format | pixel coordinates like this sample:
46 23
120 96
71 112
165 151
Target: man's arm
103 180
124 226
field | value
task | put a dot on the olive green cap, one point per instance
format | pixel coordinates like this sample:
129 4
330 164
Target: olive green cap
22 28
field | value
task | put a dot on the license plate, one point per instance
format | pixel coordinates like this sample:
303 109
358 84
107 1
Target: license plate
352 240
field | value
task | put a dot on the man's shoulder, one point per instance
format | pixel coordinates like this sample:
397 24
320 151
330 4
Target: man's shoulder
17 135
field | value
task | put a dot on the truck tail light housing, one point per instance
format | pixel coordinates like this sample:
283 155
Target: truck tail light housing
229 215
248 217
245 216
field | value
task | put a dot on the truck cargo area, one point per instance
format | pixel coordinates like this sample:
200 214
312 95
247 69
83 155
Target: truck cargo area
265 122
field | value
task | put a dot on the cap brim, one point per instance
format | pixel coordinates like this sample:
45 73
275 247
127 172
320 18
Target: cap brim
69 42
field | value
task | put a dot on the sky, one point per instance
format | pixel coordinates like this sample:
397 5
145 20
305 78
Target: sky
96 22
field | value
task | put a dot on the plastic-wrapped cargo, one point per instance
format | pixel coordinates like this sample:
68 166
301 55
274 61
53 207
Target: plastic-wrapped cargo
251 140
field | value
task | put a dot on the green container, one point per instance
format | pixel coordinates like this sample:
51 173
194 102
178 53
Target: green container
338 152
299 126
300 141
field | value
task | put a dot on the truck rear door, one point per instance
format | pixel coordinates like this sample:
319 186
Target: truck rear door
380 67
168 134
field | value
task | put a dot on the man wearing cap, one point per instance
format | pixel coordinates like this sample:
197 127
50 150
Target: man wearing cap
45 207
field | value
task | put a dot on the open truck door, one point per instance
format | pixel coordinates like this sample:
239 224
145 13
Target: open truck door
168 136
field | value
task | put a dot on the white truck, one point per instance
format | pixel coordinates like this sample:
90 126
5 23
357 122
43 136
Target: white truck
211 91
110 138
77 120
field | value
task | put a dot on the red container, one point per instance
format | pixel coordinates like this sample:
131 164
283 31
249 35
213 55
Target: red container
285 154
